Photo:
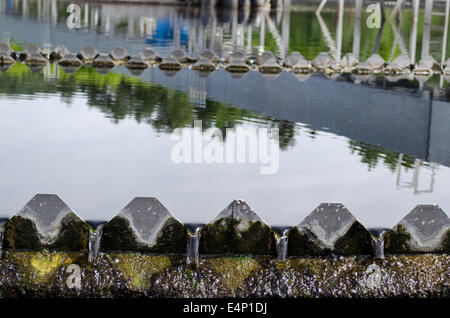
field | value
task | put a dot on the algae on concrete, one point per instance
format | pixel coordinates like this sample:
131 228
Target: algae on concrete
330 228
46 222
237 230
144 225
426 229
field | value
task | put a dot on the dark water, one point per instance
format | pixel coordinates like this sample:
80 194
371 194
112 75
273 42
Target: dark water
100 140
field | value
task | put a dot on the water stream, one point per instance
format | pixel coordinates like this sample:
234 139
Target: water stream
379 245
94 243
192 247
282 246
2 232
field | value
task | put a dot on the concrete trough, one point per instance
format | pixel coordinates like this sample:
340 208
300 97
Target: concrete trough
35 59
427 66
103 61
144 225
399 66
46 250
6 59
426 229
170 63
237 230
182 57
70 60
204 65
119 55
6 48
88 54
330 228
296 63
136 63
46 222
210 55
29 51
322 62
150 56
236 63
270 66
348 63
237 66
59 52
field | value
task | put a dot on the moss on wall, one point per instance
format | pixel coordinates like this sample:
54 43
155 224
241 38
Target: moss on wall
357 241
138 269
46 274
303 243
396 241
224 237
232 271
119 236
21 234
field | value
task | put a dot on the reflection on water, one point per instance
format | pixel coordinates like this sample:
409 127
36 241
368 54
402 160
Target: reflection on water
86 136
120 97
415 28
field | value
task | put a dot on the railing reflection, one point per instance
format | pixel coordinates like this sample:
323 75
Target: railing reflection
414 183
239 28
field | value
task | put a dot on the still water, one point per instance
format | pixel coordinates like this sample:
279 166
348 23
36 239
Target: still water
97 140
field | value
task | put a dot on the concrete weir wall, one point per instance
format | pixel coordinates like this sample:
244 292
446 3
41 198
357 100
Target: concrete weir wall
48 250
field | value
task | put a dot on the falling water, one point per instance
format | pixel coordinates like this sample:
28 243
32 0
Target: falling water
192 247
282 246
94 243
378 243
2 232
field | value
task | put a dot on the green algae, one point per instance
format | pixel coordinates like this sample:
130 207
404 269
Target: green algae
44 274
41 267
223 237
232 271
138 269
396 241
303 243
15 241
356 241
21 234
446 242
119 236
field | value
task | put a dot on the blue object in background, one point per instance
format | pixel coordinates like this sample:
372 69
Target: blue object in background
164 33
9 6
